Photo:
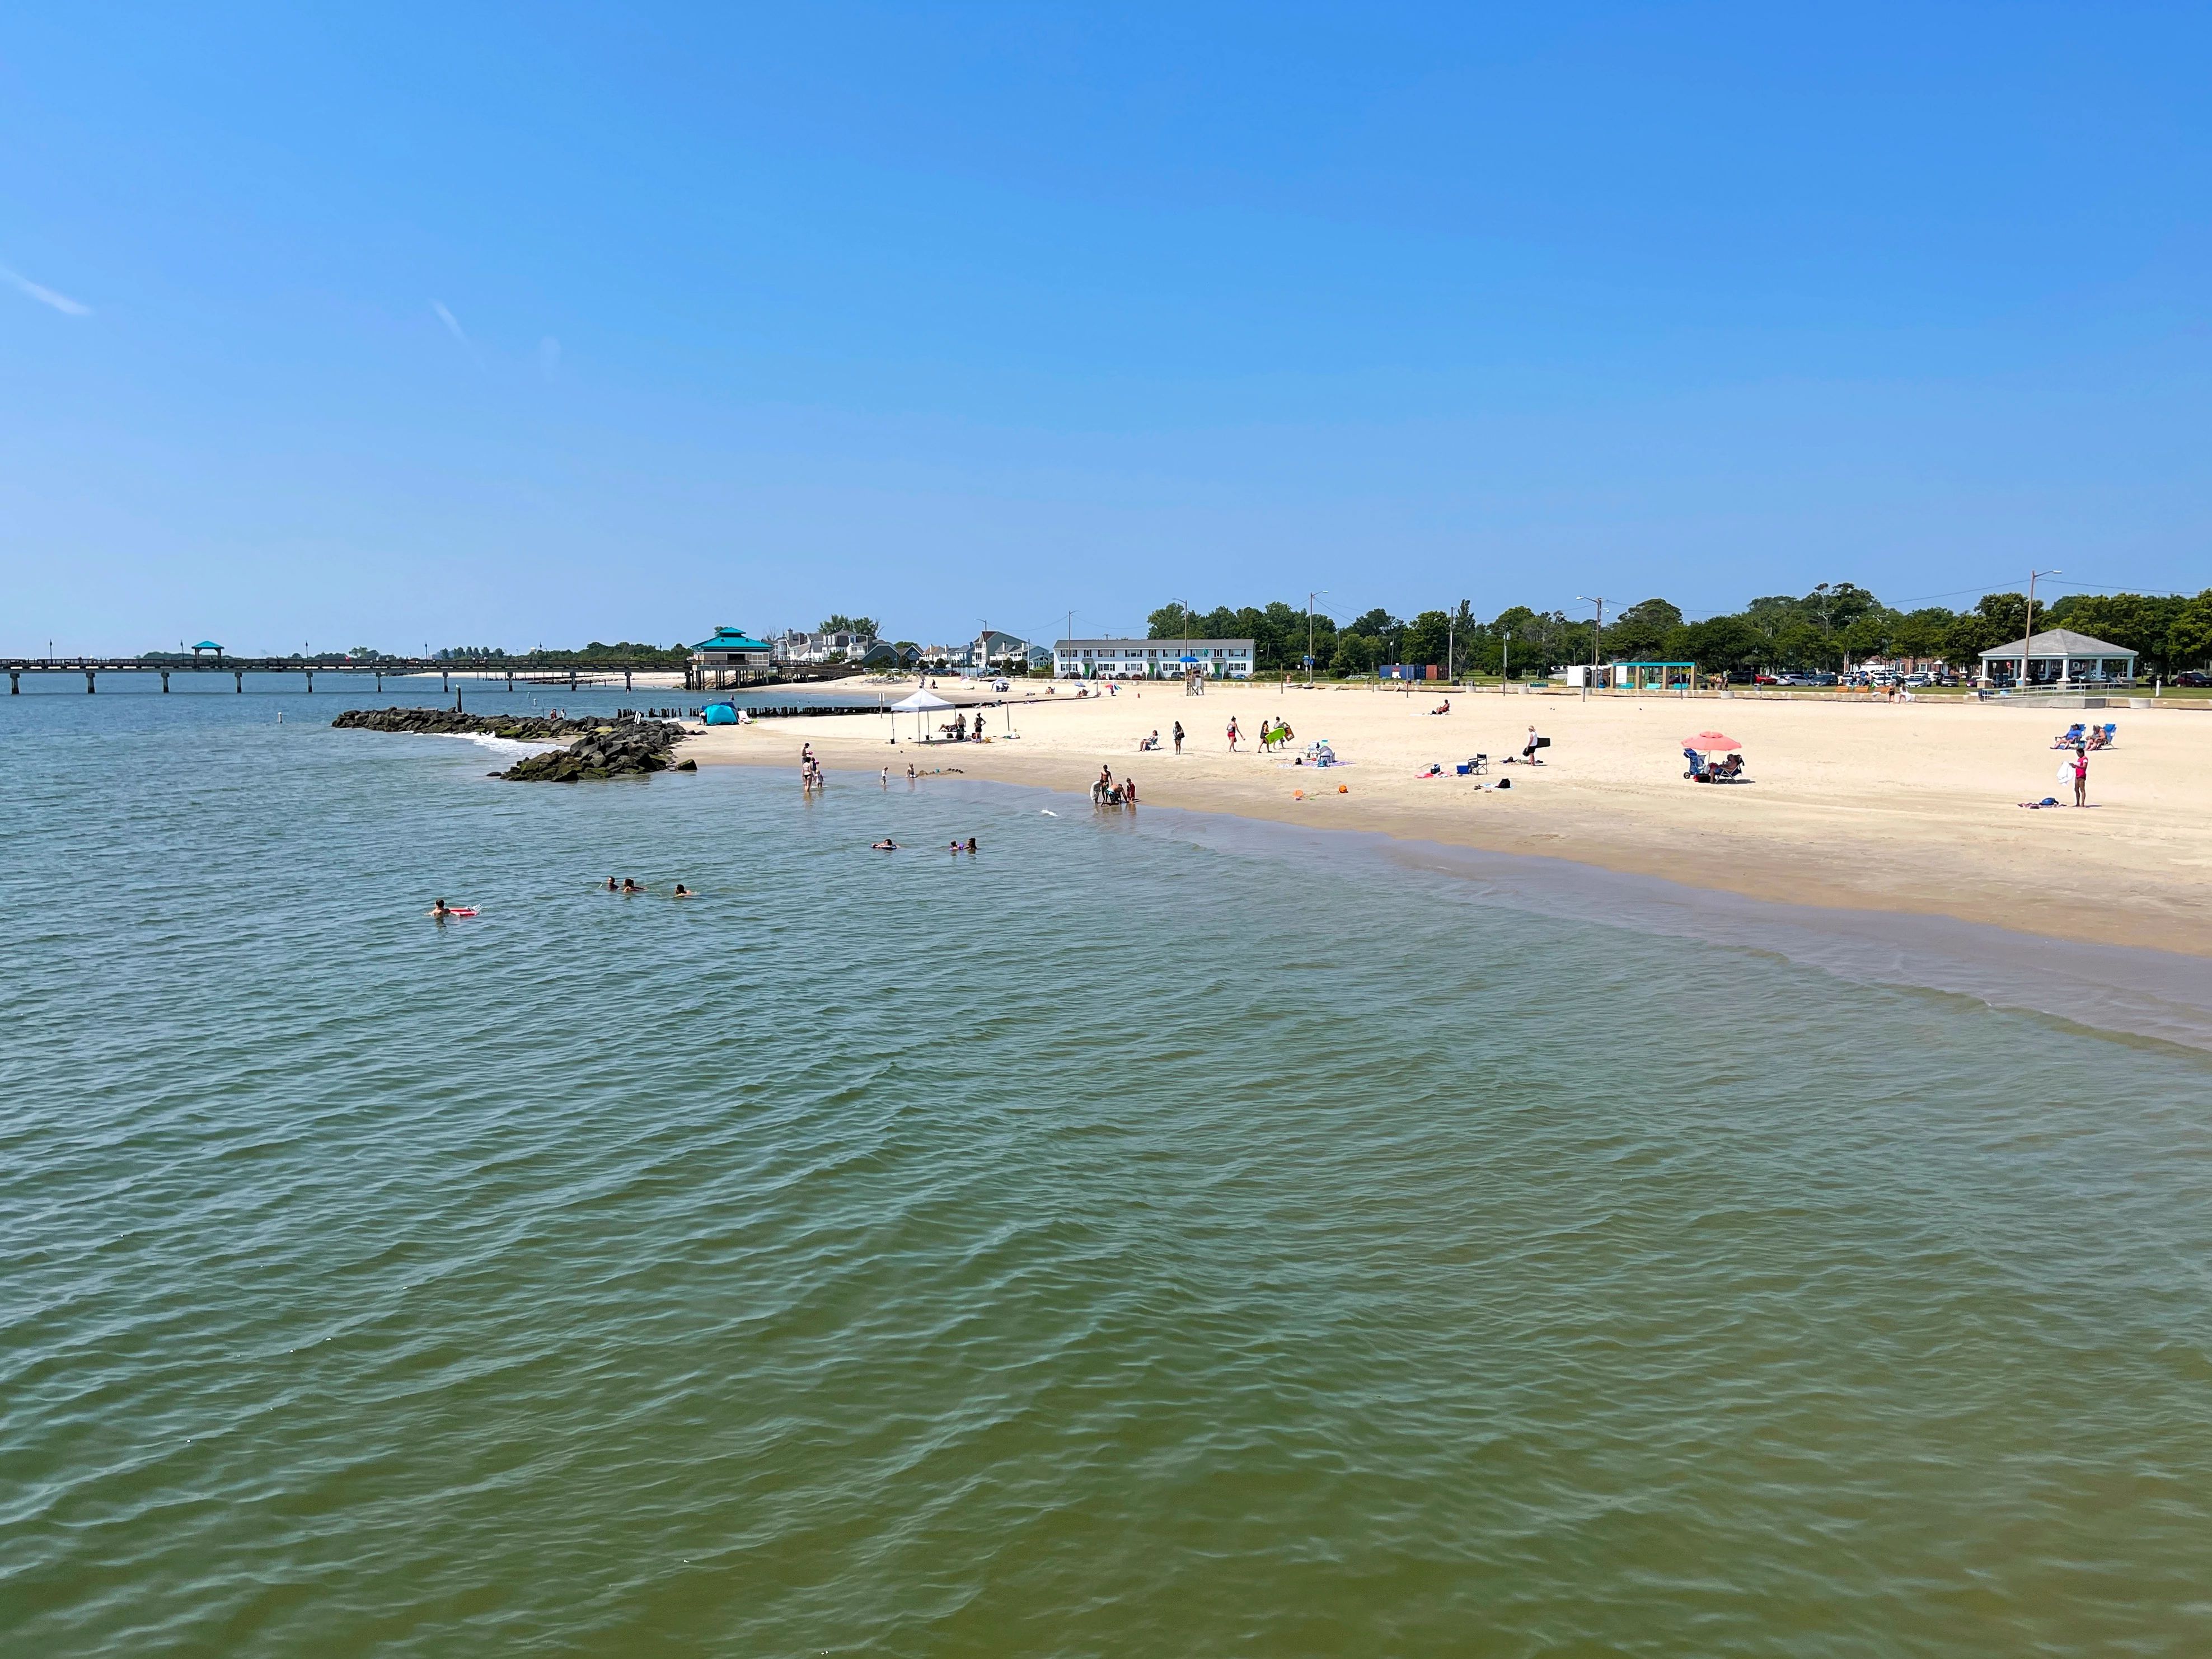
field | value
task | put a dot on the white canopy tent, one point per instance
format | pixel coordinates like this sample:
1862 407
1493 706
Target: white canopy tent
921 705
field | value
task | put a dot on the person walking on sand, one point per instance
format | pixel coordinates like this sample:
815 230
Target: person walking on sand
1232 734
1178 737
1529 754
2080 775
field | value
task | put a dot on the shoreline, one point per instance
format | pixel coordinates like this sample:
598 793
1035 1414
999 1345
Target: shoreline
2128 993
1937 834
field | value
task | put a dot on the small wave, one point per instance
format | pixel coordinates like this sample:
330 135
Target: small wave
504 745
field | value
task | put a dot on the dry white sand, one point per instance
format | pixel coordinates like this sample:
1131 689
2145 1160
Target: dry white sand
1908 807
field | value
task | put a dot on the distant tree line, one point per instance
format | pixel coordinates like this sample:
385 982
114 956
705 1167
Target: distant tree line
631 651
1834 624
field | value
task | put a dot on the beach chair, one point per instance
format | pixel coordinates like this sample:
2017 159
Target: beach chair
1475 767
2111 735
2069 737
1319 754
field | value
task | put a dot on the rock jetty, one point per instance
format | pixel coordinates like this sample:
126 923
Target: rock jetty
596 748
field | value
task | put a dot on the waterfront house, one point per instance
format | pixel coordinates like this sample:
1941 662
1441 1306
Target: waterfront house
733 656
1152 660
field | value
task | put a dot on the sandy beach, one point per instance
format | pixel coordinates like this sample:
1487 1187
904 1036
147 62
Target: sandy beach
1904 807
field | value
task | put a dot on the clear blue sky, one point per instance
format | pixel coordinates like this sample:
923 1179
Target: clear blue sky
495 325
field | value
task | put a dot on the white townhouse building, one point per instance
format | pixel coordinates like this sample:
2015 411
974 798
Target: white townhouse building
1151 660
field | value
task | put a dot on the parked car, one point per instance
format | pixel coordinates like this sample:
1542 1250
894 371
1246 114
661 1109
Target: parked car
2192 677
1763 679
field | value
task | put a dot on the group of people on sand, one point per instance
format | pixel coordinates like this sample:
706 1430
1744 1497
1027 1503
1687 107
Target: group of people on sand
1273 735
1147 744
1107 793
887 845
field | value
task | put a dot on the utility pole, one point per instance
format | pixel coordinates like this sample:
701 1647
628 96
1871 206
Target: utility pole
2031 576
1310 598
1596 633
1505 662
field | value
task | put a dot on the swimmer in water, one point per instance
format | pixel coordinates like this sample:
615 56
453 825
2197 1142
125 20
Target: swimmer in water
630 886
610 883
681 891
886 845
440 909
971 844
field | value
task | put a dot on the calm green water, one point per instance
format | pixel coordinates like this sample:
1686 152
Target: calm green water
1124 1241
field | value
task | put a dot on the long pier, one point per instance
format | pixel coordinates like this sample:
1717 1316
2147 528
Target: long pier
536 671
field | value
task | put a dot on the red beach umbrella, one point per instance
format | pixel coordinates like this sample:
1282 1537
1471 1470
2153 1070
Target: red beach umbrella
1706 743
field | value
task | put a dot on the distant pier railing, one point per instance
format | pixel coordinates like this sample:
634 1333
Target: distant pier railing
536 671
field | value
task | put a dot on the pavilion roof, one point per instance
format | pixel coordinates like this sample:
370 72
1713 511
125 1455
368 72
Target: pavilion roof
2060 642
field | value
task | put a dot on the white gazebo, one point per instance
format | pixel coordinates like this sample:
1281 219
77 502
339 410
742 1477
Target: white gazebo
2060 657
921 705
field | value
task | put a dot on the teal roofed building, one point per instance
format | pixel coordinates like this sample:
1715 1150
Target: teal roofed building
732 656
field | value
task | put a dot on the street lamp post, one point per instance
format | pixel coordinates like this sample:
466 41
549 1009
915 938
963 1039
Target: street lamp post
2033 575
1596 633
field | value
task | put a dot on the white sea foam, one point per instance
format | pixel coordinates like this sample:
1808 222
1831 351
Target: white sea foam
507 746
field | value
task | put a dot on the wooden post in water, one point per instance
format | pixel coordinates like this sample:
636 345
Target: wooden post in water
165 682
87 682
239 675
14 682
311 682
444 682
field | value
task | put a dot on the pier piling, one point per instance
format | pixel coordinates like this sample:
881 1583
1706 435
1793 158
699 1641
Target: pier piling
165 682
87 682
238 675
311 682
14 682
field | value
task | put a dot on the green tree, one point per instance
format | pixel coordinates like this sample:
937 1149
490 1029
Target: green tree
1640 633
1922 633
863 626
1720 645
2189 641
1425 636
2143 622
1355 655
1169 622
